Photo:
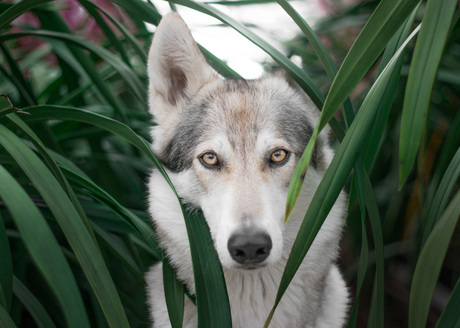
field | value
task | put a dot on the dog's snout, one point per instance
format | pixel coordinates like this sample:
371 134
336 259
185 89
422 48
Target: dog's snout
249 246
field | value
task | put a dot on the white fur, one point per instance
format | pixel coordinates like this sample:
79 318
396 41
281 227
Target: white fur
245 195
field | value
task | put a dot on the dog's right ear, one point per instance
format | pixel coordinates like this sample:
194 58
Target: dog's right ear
176 67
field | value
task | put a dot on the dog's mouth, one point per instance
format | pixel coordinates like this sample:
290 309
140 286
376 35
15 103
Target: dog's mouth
250 266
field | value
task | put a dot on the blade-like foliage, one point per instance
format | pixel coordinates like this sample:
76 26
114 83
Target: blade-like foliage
379 30
44 250
77 235
18 9
431 256
427 53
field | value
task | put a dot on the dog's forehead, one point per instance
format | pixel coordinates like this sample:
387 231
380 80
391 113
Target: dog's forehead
244 109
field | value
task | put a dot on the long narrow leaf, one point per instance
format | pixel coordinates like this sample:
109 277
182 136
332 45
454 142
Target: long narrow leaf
52 165
131 39
128 75
377 32
174 292
450 317
33 306
207 272
5 319
425 61
43 248
78 236
370 43
6 269
443 194
383 112
376 315
18 9
431 256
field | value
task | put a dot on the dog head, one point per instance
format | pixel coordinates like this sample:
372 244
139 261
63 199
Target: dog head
230 146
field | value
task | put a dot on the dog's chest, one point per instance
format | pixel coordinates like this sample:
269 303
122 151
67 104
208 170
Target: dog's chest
253 295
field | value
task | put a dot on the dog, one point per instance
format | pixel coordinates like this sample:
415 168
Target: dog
230 147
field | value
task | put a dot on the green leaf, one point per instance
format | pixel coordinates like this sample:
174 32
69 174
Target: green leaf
450 317
383 112
174 292
370 43
129 37
5 319
33 306
375 35
144 11
425 61
211 291
128 74
443 194
76 233
364 256
376 315
52 165
102 196
6 269
432 256
42 245
18 9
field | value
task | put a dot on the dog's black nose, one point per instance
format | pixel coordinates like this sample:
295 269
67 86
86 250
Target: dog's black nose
249 246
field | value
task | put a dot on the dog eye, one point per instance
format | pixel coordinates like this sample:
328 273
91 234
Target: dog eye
279 156
209 159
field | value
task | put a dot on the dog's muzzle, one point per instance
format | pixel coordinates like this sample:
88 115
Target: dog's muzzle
249 247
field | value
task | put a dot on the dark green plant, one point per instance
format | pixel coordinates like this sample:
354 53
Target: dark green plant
75 238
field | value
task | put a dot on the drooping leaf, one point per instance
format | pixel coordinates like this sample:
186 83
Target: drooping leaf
373 38
43 248
76 233
436 23
431 256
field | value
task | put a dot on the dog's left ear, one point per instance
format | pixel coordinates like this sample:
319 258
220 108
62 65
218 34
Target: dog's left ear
177 69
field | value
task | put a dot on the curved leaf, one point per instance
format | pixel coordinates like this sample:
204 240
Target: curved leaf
5 319
43 248
443 194
375 35
18 9
128 75
432 255
380 28
450 317
6 269
425 61
33 306
76 233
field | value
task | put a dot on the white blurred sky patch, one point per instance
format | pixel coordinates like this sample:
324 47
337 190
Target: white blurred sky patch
269 21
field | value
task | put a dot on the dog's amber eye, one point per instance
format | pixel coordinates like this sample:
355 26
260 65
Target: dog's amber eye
209 159
279 156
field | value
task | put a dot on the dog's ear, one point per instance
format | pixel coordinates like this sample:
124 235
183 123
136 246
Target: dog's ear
177 69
